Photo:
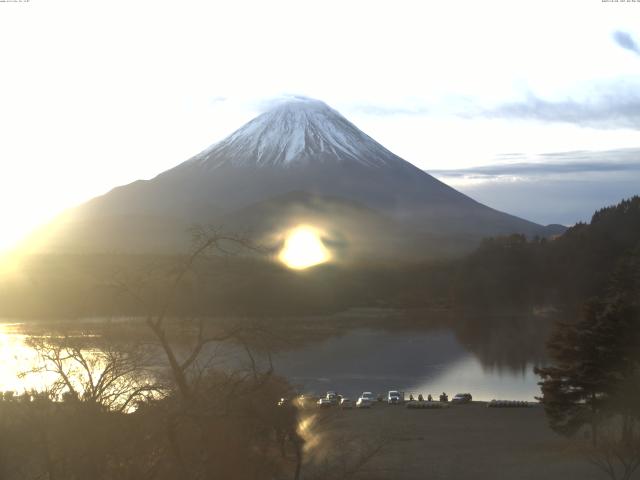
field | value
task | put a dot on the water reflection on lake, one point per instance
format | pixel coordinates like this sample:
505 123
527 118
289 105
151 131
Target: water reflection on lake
17 358
413 361
490 358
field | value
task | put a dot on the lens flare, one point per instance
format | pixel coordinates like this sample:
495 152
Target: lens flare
306 431
303 248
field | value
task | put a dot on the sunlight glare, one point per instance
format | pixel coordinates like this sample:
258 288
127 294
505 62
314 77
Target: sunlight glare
303 248
17 358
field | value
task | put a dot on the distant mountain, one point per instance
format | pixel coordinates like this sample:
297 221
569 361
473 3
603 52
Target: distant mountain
302 156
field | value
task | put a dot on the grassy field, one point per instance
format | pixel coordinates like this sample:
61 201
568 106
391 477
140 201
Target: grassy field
459 442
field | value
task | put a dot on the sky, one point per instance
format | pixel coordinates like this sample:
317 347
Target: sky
530 107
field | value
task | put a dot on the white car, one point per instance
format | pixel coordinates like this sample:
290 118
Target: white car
324 403
393 397
332 397
365 400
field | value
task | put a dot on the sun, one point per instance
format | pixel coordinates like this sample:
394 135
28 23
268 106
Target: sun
303 248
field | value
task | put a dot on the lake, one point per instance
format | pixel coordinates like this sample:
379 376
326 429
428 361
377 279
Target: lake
490 357
414 361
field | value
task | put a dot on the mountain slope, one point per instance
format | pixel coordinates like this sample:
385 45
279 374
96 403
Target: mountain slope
300 145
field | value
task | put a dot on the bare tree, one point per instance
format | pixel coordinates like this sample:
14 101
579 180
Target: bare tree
239 404
114 376
617 453
157 308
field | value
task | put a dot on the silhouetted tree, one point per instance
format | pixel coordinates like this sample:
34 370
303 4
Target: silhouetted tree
217 421
114 375
596 372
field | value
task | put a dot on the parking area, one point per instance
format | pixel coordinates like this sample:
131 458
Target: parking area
395 397
458 442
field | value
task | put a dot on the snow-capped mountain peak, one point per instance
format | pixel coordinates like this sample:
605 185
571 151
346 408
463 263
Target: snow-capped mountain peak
297 130
299 161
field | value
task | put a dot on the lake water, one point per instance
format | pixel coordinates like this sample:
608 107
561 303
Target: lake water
15 359
411 361
495 362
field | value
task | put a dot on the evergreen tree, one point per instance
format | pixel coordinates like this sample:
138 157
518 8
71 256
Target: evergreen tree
597 359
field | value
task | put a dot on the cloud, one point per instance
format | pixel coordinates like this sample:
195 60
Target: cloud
264 104
626 41
615 108
613 104
385 110
443 105
552 164
560 187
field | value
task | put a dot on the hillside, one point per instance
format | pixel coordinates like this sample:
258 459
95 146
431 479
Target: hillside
574 266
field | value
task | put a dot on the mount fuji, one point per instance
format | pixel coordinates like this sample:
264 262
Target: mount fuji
301 161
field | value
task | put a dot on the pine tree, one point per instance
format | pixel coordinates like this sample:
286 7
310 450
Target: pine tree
596 361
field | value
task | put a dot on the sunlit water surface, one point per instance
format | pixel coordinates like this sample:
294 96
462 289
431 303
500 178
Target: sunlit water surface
16 360
363 359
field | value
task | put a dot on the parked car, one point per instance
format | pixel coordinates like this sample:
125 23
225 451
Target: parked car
368 395
462 398
346 403
393 397
365 400
332 397
324 403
